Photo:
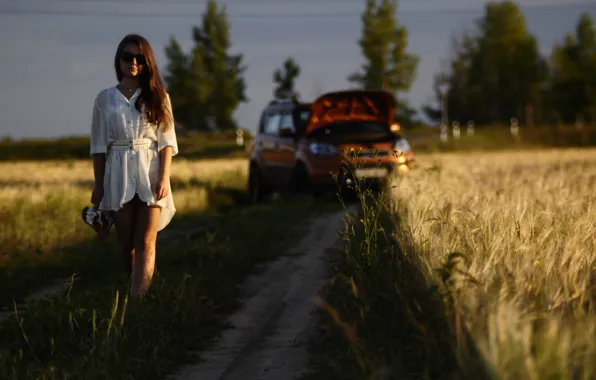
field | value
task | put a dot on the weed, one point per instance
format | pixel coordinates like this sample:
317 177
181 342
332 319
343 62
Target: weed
379 318
43 237
94 331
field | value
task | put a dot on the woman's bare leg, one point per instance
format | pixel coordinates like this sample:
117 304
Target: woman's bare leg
124 220
147 220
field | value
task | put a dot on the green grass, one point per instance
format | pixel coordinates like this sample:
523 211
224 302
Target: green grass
379 319
95 332
48 239
43 237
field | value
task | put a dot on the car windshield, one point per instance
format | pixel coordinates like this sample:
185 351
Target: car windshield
355 131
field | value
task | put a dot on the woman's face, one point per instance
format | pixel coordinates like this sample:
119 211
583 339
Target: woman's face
132 61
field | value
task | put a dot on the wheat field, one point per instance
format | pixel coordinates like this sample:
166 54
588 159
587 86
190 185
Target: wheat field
524 284
40 202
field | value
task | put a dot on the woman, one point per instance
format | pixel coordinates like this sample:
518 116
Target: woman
132 144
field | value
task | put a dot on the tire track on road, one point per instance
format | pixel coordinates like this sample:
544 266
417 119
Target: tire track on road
269 334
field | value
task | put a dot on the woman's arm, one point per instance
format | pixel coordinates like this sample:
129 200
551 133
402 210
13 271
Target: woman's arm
98 150
163 183
165 157
99 168
167 145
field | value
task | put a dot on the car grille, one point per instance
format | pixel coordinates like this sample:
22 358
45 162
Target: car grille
368 153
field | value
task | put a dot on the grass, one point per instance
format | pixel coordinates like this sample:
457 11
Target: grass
42 235
206 145
478 265
497 138
378 318
94 331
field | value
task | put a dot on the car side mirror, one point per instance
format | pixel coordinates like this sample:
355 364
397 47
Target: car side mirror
287 132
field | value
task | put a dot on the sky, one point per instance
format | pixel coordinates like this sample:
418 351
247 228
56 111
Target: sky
56 55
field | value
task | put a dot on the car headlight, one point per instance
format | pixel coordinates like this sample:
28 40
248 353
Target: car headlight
322 149
402 146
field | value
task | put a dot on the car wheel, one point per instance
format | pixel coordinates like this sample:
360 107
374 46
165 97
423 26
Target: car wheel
319 191
301 184
299 181
256 188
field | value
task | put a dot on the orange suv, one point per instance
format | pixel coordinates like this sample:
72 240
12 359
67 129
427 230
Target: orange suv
304 146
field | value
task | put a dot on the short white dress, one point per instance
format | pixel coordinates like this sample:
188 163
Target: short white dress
130 171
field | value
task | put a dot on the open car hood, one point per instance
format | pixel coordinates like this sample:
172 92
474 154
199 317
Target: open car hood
351 105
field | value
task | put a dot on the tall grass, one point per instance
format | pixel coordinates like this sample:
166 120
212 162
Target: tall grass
40 202
40 213
95 331
382 321
510 240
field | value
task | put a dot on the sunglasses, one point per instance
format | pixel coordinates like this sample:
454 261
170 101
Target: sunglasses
128 57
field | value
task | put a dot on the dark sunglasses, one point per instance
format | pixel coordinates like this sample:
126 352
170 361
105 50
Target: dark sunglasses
128 57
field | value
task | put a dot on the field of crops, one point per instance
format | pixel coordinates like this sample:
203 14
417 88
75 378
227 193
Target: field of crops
510 239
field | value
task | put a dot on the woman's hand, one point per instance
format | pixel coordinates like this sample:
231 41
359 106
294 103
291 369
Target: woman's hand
162 189
96 196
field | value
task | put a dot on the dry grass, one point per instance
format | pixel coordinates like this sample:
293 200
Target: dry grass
525 283
40 205
34 181
61 189
93 331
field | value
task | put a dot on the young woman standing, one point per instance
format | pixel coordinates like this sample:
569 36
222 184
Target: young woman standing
132 144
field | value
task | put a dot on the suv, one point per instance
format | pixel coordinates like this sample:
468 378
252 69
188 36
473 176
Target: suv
301 146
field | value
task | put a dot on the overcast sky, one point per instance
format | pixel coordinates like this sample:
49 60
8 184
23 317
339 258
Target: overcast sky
56 55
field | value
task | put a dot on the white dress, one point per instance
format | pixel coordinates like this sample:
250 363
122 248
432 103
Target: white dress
130 172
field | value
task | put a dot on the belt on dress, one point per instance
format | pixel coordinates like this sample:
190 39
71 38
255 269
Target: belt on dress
132 144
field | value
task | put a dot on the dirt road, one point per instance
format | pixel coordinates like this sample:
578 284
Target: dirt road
269 334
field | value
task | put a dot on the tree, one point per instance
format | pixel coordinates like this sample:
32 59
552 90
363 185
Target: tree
497 74
384 45
285 78
207 85
187 85
573 90
509 64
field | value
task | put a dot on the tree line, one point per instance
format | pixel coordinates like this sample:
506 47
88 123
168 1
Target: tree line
495 73
498 73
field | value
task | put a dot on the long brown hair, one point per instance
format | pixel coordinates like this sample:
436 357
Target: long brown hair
153 90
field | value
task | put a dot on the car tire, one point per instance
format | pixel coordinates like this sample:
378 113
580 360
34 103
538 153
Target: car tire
256 187
299 183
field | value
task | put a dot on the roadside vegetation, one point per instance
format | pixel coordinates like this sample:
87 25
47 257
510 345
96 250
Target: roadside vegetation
203 145
92 330
43 237
476 265
379 318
